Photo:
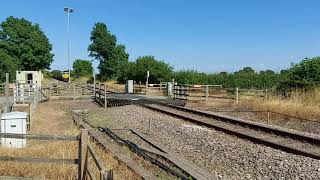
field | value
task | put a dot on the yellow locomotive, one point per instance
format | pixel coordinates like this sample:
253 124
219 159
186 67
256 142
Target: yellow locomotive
65 75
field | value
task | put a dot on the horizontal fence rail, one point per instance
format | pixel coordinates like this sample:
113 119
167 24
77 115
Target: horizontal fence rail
84 151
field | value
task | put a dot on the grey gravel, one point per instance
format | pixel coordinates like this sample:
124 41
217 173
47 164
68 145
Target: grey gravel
223 155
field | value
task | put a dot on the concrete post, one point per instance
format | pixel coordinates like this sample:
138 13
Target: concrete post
237 95
170 89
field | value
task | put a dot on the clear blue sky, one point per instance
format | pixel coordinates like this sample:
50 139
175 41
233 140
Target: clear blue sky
210 36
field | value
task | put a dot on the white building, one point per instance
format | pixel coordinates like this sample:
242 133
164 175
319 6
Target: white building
29 77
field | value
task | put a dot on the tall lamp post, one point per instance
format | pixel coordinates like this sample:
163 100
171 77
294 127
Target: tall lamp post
68 10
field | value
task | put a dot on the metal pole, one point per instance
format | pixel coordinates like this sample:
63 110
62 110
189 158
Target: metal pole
68 32
68 11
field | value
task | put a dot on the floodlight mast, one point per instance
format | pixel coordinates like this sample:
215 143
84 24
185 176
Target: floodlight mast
68 10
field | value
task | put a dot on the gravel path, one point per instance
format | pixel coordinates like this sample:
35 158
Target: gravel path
225 156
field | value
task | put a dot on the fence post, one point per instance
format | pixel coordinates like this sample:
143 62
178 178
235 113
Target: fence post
237 95
100 93
49 94
149 126
7 93
94 85
266 96
268 116
207 92
106 174
22 93
105 96
83 154
94 91
74 92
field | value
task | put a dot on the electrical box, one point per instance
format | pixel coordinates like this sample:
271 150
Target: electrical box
129 86
15 123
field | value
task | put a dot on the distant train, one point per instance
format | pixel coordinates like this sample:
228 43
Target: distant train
65 75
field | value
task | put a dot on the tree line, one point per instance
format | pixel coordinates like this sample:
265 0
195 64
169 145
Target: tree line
24 46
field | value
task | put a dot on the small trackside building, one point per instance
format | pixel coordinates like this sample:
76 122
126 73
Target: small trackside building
29 77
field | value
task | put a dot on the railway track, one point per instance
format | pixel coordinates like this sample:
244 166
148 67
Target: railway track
148 149
157 154
286 140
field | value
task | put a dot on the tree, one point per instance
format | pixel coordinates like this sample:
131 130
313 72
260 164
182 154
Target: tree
159 70
104 48
82 68
26 44
305 74
7 65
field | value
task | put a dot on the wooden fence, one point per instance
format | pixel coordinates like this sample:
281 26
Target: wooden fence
160 88
85 151
209 92
100 94
62 90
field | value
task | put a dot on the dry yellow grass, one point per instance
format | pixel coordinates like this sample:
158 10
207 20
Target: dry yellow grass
305 105
300 104
49 119
113 85
55 118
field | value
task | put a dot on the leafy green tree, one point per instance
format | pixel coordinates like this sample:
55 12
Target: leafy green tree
305 74
159 70
26 44
82 68
126 72
104 48
7 65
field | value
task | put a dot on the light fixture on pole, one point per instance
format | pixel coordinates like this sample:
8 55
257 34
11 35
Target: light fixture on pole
68 10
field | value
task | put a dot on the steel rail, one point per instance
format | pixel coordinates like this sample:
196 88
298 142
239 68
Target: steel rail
245 135
263 127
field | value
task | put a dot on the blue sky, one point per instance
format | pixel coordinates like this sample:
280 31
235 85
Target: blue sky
210 36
